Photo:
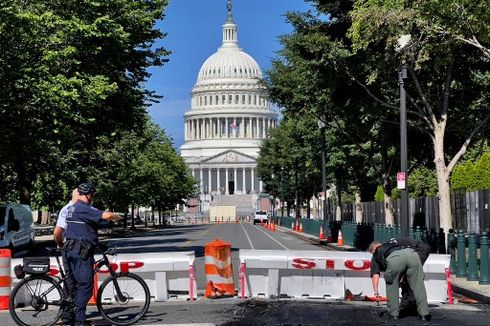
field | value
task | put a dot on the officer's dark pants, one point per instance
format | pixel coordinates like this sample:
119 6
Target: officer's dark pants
81 273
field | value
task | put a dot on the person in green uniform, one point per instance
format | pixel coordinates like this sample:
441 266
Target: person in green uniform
396 260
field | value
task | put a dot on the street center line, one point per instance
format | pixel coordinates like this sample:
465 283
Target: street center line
188 243
267 234
248 237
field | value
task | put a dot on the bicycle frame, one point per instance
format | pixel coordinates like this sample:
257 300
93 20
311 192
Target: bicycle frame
104 261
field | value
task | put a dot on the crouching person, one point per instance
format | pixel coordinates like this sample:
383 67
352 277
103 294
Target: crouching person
396 261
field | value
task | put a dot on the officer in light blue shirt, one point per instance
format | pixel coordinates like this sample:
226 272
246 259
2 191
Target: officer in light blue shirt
82 222
61 225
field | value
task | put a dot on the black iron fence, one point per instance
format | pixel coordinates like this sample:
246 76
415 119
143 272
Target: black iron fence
471 211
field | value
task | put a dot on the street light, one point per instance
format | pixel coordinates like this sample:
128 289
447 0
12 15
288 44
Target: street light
282 191
403 41
322 127
272 196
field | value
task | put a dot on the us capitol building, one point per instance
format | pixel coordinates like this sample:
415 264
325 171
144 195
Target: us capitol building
228 119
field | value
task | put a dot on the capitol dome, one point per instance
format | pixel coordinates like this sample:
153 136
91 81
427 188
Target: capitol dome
229 62
229 117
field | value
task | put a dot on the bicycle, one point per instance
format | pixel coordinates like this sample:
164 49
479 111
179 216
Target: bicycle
40 300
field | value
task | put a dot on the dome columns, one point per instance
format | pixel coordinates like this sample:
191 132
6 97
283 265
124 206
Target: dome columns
241 179
228 127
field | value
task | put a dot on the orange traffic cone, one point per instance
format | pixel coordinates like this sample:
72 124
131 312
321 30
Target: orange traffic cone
340 240
273 226
292 226
301 227
322 235
93 299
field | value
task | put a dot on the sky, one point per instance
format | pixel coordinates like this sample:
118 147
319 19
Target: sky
194 32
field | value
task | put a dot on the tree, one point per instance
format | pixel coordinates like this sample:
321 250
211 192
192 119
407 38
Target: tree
292 150
471 176
448 79
314 74
71 82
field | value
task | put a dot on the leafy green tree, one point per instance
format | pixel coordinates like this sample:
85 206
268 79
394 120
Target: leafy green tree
292 151
72 81
448 79
422 182
315 73
471 176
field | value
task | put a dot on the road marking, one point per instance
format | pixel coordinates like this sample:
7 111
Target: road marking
267 234
188 243
249 240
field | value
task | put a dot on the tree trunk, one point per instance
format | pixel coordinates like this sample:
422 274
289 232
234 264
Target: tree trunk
445 213
132 217
358 205
25 185
389 215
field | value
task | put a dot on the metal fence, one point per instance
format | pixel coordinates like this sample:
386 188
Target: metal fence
471 211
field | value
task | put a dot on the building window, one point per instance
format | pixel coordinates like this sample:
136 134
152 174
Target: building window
236 99
243 99
210 99
249 99
217 99
223 99
230 98
205 100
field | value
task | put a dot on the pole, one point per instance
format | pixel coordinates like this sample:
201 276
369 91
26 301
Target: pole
282 192
404 213
324 176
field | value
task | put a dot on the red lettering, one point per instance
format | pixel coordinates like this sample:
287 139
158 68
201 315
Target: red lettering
350 265
301 263
330 264
106 271
126 265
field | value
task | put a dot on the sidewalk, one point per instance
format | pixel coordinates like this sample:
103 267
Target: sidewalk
470 289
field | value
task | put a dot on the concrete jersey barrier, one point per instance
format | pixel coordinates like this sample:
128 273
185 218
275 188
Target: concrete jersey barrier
168 275
324 274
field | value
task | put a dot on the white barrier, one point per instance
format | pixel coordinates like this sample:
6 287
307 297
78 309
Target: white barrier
323 274
168 275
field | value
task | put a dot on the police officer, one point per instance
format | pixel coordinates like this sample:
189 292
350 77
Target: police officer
423 250
81 240
397 260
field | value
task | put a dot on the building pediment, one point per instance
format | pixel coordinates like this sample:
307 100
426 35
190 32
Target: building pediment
229 156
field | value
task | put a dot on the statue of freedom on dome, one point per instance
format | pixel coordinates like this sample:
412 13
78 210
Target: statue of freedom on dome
229 6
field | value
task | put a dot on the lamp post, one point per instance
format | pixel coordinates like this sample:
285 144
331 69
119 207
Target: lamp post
272 196
402 177
322 127
402 75
282 191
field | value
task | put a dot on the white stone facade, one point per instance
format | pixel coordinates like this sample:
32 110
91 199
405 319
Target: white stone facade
228 119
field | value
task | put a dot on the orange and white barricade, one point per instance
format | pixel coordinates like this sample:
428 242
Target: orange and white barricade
5 278
219 270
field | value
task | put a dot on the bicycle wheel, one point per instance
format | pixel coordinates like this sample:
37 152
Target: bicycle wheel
36 301
128 308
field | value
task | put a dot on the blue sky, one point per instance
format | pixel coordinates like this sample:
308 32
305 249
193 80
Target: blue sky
194 29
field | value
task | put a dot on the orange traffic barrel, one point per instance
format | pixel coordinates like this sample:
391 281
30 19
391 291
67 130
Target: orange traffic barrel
95 291
219 270
5 278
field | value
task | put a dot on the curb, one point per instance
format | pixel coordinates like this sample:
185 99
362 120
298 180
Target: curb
471 294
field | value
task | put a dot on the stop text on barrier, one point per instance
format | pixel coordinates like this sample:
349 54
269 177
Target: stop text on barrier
331 264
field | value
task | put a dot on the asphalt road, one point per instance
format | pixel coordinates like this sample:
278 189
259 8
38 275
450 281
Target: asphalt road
236 312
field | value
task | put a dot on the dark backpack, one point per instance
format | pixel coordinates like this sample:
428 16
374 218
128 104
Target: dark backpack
383 251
